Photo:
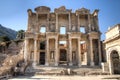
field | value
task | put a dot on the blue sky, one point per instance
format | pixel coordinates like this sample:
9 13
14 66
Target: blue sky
13 13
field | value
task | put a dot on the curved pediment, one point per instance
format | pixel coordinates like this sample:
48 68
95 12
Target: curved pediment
42 9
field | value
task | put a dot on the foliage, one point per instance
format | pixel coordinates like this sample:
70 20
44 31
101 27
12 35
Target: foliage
20 34
4 38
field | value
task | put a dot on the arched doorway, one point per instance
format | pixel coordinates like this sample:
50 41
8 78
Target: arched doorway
115 60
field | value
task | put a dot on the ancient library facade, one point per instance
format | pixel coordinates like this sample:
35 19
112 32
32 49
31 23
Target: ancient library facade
62 37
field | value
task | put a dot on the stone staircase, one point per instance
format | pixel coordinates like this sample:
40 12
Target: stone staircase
84 70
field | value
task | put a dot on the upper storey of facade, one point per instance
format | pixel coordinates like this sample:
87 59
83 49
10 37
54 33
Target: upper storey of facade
62 20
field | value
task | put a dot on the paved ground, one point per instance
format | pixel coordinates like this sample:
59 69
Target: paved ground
45 77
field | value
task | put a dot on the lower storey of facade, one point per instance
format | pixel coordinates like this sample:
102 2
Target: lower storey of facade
53 52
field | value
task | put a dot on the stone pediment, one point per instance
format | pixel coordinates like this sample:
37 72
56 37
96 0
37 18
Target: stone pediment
83 11
42 9
62 9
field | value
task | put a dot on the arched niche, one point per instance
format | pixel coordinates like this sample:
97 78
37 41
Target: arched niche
115 62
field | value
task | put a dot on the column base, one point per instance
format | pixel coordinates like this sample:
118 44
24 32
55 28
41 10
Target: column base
34 64
92 64
70 64
46 64
56 64
79 65
100 64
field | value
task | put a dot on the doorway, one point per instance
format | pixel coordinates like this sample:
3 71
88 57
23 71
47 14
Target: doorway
42 58
63 56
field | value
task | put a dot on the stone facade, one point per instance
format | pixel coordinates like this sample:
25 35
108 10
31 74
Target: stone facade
62 37
112 47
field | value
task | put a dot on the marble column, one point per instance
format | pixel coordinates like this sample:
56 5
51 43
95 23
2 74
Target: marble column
88 51
70 52
99 48
91 52
56 22
78 24
89 23
79 53
47 28
47 53
37 23
69 22
56 52
26 52
35 52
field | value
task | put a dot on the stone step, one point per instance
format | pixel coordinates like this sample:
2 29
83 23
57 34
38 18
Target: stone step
84 70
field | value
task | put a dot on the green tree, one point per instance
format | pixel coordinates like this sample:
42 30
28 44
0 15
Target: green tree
4 38
20 34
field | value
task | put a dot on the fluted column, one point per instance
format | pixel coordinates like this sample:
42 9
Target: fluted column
91 51
47 53
56 52
70 52
79 53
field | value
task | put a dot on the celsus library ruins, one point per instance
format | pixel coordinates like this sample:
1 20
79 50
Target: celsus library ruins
62 38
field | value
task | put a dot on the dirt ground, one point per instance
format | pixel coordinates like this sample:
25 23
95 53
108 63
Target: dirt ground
53 77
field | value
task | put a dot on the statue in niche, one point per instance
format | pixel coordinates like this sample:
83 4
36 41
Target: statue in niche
52 27
52 55
73 55
73 27
93 28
